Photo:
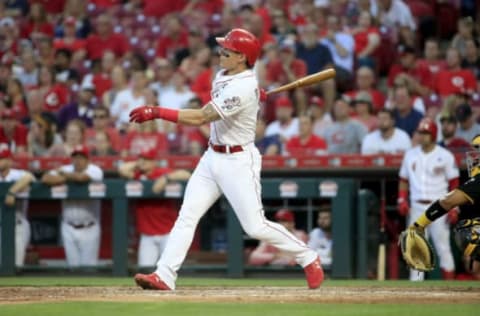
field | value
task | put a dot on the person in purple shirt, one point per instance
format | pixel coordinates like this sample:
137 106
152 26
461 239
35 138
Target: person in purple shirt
82 109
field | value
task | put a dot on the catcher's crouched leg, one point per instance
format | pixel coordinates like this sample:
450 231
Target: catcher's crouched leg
467 238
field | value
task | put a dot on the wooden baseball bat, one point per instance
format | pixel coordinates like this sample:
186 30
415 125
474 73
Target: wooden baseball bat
306 81
382 256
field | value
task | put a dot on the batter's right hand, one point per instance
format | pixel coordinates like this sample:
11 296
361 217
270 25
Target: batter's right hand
402 207
144 113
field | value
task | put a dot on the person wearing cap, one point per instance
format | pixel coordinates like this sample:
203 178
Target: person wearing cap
81 109
448 124
386 139
285 125
12 132
70 41
467 127
321 117
306 143
80 224
21 180
428 171
154 218
266 254
363 110
320 238
345 135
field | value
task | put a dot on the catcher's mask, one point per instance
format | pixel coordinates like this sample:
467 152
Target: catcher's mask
473 157
467 237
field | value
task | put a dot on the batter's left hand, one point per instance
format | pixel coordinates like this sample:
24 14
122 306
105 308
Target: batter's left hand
452 216
144 113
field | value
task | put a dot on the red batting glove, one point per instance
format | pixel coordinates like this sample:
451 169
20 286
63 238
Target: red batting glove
452 216
263 95
402 207
144 113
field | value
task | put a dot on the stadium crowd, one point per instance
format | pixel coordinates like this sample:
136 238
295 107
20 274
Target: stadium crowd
71 71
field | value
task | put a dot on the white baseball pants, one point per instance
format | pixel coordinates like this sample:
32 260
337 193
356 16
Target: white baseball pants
150 248
81 244
22 239
439 231
237 176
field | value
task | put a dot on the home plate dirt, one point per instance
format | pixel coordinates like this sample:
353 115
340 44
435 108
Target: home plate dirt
328 294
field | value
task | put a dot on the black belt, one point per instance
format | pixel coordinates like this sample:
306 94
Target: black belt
424 201
226 149
80 226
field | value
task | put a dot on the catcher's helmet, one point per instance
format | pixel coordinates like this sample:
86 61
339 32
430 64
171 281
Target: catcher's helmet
241 41
473 157
427 125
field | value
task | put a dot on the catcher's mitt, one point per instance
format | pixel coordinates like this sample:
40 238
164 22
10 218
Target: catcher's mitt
416 250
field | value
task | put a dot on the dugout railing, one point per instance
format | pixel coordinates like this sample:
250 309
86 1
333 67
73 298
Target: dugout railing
342 193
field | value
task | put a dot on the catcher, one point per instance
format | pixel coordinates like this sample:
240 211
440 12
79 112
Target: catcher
415 248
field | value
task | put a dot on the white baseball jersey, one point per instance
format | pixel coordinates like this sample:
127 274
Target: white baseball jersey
374 143
81 212
428 173
21 204
285 131
236 100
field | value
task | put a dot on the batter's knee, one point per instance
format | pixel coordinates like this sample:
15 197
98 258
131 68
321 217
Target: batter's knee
257 232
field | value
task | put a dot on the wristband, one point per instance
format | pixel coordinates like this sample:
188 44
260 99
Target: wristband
168 114
402 196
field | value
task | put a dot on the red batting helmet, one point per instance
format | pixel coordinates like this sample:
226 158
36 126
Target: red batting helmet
427 125
241 41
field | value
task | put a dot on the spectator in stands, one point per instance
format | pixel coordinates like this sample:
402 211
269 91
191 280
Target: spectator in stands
467 128
281 28
144 136
195 43
345 135
101 79
285 69
21 180
27 70
317 57
154 219
194 139
367 40
321 118
418 78
454 79
267 145
306 143
102 146
102 123
164 70
15 8
77 9
365 81
12 132
320 238
342 49
386 139
431 63
406 117
125 101
70 41
363 110
36 24
448 129
471 60
74 136
10 43
119 83
81 110
42 135
80 226
465 30
55 95
177 98
174 37
259 27
104 39
45 51
15 99
266 254
64 72
286 126
396 15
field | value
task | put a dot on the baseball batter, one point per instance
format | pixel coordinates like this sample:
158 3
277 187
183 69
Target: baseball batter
230 166
21 180
428 171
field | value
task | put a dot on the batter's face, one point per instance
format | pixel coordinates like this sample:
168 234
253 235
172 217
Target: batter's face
230 60
425 139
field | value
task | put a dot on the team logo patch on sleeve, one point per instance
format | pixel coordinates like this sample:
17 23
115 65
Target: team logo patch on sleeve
231 103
